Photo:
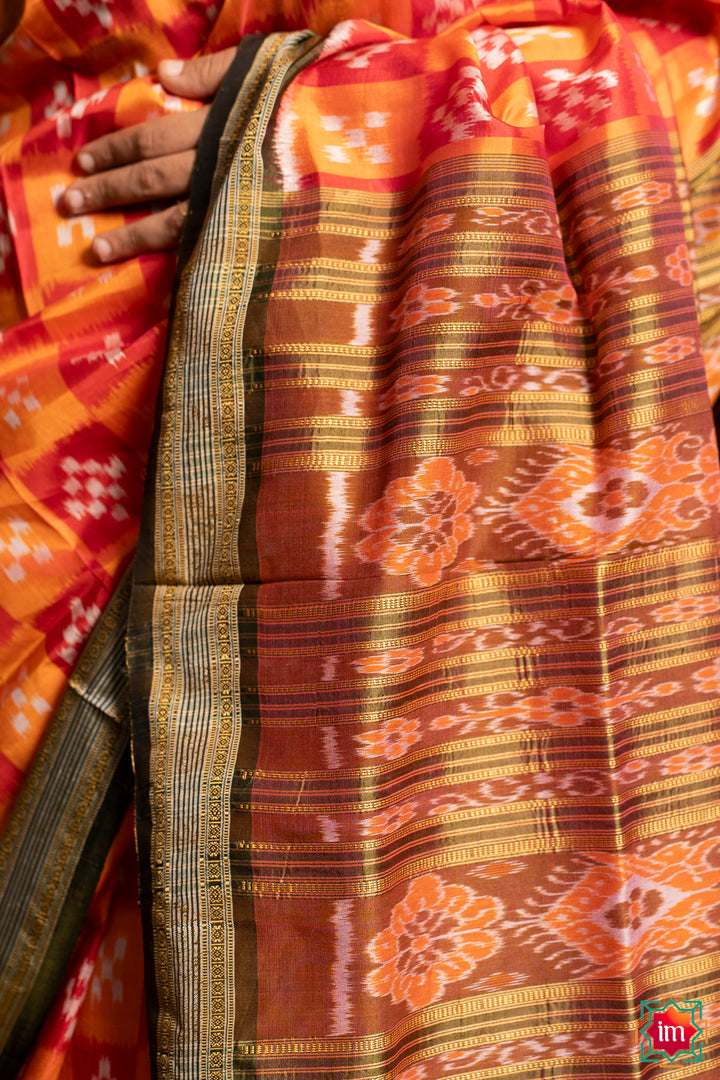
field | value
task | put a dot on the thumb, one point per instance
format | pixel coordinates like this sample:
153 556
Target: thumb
197 78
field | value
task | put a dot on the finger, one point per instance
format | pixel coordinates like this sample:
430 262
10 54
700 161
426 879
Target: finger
144 181
154 138
197 78
156 232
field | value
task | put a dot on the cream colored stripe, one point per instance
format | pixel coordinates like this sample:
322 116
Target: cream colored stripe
195 734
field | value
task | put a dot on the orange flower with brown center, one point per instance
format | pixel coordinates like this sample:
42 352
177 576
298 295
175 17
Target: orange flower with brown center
556 305
687 607
388 821
678 264
412 387
649 193
421 303
616 498
563 706
437 935
418 524
390 740
669 350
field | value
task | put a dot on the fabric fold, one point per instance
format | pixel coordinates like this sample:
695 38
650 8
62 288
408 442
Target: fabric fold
63 824
425 624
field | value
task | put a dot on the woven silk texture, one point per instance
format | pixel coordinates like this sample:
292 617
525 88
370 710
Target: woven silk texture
423 649
423 655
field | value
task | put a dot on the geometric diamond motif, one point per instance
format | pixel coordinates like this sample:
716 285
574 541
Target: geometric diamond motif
16 546
93 488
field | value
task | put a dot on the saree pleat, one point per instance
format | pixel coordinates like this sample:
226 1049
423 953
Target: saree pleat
425 637
51 859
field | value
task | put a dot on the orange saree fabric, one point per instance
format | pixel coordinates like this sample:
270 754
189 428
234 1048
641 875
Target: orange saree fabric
478 558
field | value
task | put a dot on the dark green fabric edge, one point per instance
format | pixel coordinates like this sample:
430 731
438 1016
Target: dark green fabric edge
51 970
81 708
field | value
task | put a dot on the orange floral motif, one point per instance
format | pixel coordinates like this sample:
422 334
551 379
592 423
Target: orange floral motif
670 350
622 909
420 522
678 264
604 286
707 679
631 700
597 501
391 662
641 273
411 387
707 224
421 303
437 935
390 740
650 193
632 772
557 305
535 222
563 706
687 607
691 760
615 499
387 821
534 299
436 223
558 706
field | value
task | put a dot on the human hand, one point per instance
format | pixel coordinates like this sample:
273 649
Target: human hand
149 162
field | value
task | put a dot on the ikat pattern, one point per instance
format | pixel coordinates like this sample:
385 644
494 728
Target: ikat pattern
436 936
478 614
509 729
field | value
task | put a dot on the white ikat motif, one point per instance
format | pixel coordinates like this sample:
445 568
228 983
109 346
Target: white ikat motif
93 488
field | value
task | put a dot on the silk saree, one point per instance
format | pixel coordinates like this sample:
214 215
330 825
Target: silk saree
422 628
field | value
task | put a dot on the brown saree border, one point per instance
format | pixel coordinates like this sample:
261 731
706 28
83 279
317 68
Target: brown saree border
183 658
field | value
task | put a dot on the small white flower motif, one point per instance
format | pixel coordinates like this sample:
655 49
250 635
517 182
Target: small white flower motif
363 57
652 24
445 12
710 83
356 141
61 98
88 8
571 99
75 990
17 545
526 34
495 48
105 1070
332 123
465 108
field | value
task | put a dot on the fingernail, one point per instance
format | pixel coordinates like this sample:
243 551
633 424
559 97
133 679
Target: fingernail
74 200
101 248
170 67
86 162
